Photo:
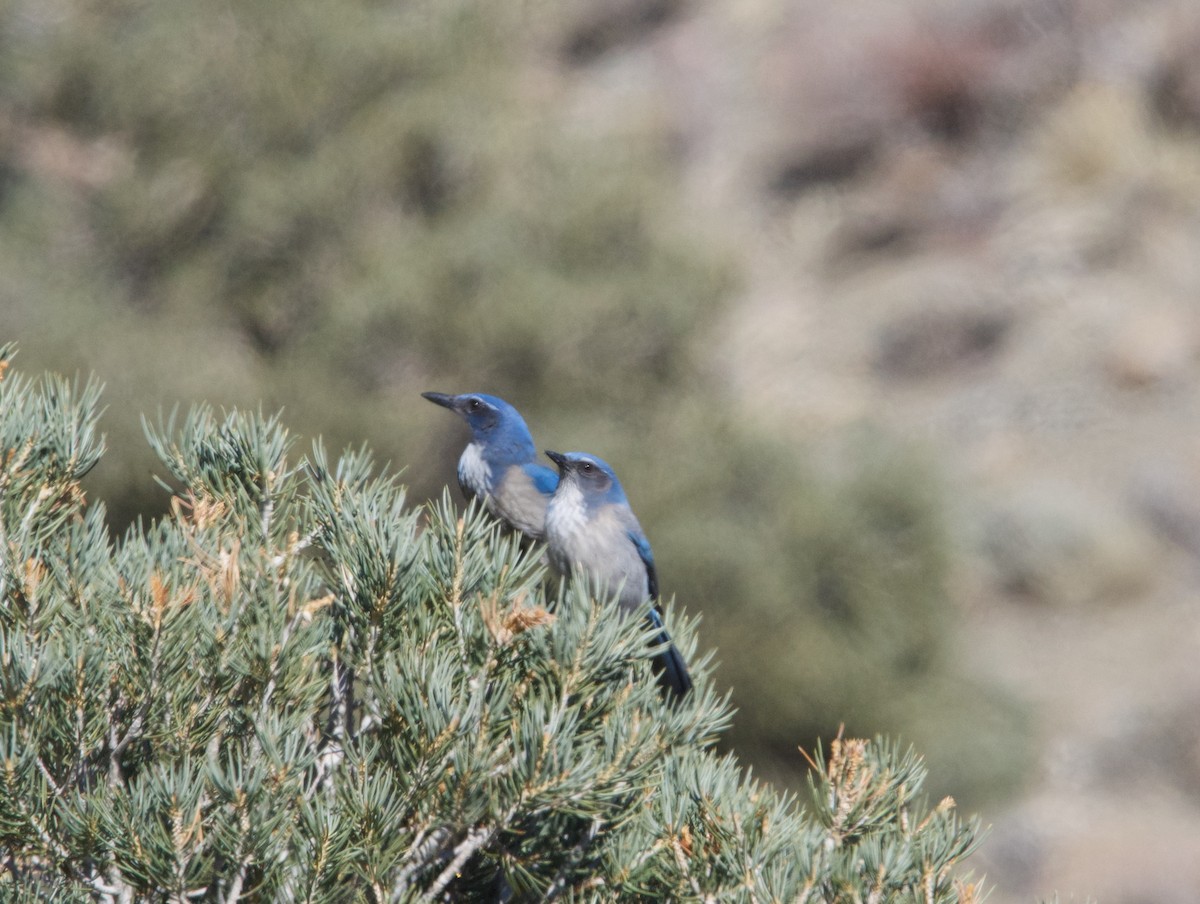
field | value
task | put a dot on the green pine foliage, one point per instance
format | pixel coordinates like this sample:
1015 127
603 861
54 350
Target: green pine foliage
311 201
294 686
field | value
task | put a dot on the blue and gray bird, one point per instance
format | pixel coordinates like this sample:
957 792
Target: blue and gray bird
590 528
499 466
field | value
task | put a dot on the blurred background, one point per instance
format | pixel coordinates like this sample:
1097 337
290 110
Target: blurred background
888 315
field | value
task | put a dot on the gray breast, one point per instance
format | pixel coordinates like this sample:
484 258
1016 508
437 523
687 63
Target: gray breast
518 501
596 543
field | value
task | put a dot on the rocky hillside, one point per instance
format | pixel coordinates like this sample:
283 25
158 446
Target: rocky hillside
978 224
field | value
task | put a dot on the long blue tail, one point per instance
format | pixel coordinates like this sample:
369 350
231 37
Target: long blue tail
669 665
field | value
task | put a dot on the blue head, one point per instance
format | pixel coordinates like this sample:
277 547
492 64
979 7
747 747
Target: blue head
495 424
593 477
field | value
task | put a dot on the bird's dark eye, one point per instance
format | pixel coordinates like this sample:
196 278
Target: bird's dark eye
586 467
474 404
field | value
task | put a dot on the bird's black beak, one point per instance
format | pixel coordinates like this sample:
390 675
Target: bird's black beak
559 459
440 398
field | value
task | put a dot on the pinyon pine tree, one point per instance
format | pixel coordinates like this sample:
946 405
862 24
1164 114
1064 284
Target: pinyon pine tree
295 688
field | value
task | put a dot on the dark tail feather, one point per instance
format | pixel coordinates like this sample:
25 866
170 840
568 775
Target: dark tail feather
672 672
669 665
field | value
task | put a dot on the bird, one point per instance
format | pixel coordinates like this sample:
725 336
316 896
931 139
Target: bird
500 465
590 528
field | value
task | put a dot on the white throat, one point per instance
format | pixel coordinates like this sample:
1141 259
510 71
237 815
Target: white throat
473 471
565 515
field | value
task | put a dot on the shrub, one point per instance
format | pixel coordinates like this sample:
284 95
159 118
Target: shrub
295 687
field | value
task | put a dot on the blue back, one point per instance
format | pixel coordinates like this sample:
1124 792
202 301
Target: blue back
499 465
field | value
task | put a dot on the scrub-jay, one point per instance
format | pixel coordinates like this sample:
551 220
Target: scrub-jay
590 527
499 465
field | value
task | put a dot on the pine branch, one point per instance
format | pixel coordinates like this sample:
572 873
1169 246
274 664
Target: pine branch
466 849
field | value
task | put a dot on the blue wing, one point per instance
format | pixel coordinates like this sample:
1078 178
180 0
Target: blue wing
642 545
545 480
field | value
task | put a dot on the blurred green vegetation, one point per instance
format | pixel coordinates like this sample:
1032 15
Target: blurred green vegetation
331 206
319 202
